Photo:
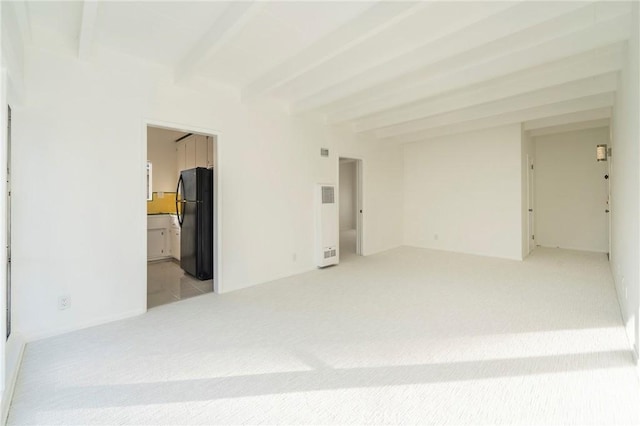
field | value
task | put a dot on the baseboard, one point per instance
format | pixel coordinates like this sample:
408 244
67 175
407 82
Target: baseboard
10 384
470 253
32 336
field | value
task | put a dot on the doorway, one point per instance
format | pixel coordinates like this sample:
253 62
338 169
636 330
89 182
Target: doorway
571 191
350 207
181 229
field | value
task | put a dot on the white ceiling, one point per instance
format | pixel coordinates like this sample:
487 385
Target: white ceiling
395 71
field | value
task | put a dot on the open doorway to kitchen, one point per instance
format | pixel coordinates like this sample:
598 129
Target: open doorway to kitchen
350 207
181 214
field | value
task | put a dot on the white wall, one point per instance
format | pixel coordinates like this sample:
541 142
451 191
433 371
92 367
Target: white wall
466 190
625 188
571 191
347 195
11 93
268 163
161 152
12 50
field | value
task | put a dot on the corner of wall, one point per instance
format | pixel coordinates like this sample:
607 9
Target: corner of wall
13 361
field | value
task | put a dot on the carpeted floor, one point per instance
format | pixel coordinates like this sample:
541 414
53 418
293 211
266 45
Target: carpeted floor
406 336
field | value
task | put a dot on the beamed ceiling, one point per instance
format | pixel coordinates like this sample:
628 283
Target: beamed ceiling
393 71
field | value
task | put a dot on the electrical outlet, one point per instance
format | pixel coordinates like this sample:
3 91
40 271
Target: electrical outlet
436 237
294 257
64 302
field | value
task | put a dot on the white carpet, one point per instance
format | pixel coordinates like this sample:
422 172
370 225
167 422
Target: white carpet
407 336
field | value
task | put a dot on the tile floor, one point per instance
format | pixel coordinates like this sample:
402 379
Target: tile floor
167 283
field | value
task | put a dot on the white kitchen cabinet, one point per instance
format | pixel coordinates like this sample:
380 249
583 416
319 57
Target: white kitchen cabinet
158 237
194 151
181 157
174 237
210 154
201 151
190 157
155 244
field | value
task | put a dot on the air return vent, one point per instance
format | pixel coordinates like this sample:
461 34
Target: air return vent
327 195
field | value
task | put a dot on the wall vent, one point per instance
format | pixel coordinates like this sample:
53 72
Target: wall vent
328 195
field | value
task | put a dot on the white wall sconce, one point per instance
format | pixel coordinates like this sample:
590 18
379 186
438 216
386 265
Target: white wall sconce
601 152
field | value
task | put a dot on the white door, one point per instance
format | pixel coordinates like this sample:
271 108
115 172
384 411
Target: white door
530 202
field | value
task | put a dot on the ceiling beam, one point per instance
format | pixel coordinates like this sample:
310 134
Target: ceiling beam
87 27
374 20
599 35
579 67
573 117
517 25
570 127
561 108
228 24
606 83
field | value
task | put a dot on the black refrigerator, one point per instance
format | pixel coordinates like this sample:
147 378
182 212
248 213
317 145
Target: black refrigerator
194 207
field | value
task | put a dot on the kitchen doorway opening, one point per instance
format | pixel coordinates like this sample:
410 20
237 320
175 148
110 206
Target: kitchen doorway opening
350 207
182 205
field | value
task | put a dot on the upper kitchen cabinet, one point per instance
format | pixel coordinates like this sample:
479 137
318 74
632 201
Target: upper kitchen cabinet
190 160
194 151
210 153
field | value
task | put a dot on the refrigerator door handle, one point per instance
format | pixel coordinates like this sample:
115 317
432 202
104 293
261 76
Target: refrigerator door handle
179 201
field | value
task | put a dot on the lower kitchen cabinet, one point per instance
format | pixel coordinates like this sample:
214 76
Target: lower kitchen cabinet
174 237
156 247
158 237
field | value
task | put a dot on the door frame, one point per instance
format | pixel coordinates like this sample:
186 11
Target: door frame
609 170
6 347
531 210
359 164
218 276
8 283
